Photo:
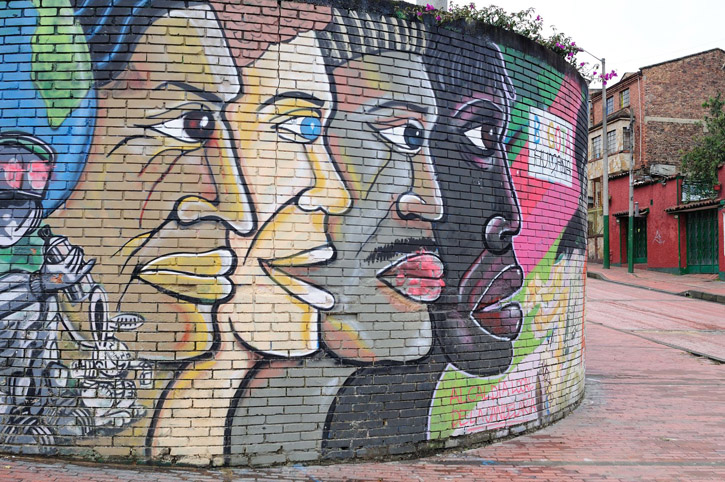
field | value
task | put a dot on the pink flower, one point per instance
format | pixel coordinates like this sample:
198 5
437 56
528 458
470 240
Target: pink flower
419 13
472 6
438 18
429 7
538 18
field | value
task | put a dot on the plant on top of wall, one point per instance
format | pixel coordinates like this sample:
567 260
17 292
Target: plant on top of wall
526 23
701 163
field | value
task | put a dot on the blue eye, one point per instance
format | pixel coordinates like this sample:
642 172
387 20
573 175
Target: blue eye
407 138
310 128
300 129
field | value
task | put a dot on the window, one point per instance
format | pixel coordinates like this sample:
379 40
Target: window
610 105
597 147
624 98
611 142
626 139
597 192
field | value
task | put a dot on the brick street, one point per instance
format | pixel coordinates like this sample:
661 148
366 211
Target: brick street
654 410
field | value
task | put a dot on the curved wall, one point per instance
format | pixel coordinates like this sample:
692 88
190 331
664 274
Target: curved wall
263 233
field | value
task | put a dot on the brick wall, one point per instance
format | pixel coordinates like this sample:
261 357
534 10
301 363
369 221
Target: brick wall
262 232
673 95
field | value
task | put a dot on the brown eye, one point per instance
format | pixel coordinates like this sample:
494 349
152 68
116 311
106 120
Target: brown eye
199 125
485 136
193 127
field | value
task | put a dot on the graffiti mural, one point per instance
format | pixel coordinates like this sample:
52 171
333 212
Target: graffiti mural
258 232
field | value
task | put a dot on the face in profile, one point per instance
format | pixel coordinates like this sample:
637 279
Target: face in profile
477 319
278 127
386 253
161 188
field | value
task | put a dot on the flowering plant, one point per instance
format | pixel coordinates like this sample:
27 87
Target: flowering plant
526 23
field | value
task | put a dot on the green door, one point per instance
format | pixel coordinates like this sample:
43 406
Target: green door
702 241
640 240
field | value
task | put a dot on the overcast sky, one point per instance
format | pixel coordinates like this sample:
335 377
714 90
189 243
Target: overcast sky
631 34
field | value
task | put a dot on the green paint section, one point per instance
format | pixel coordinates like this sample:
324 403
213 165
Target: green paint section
455 385
548 82
25 255
61 61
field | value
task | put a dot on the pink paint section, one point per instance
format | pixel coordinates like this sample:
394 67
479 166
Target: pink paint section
546 207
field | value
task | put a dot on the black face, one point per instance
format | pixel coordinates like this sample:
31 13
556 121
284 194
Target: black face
476 320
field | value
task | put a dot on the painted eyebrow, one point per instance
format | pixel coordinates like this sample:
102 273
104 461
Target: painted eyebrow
204 94
478 101
295 94
391 104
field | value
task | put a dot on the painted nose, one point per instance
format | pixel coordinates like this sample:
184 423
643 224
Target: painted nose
499 230
424 200
328 192
231 205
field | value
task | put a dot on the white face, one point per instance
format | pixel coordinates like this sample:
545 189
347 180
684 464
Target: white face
17 218
294 186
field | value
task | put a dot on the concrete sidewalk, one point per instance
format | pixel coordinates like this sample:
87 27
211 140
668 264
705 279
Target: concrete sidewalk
702 286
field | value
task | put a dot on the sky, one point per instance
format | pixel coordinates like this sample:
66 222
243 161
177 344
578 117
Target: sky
630 34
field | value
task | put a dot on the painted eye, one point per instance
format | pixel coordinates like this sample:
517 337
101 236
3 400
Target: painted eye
407 138
485 136
300 129
193 127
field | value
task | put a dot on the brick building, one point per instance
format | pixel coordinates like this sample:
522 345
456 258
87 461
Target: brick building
653 115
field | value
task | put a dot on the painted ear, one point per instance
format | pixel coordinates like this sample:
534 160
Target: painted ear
98 314
126 322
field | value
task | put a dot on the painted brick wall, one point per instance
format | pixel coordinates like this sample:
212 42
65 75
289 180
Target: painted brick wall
254 233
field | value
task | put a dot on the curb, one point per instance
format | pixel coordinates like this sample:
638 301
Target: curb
700 295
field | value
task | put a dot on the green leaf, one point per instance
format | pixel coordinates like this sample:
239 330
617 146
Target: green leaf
61 66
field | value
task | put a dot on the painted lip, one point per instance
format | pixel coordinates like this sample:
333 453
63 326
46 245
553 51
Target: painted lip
417 276
282 272
494 310
197 277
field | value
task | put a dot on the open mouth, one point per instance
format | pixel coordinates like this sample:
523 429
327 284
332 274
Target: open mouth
417 276
495 311
281 270
198 277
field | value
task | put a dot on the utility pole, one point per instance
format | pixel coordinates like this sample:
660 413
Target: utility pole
630 224
605 174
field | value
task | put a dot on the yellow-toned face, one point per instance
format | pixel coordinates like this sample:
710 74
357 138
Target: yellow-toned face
294 186
161 188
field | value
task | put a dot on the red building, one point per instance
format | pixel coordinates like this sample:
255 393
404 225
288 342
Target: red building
652 116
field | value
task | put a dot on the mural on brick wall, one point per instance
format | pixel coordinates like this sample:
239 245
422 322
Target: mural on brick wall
252 232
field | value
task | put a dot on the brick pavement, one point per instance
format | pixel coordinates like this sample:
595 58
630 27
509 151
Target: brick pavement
651 412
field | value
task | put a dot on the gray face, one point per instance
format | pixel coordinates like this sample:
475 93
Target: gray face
385 249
